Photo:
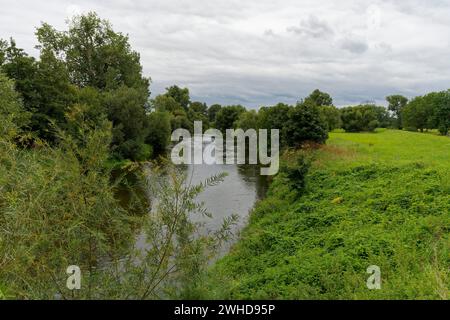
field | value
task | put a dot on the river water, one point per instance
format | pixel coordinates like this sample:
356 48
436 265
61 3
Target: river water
237 194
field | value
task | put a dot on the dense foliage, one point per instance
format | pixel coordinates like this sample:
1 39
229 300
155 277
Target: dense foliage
364 118
431 111
58 195
58 208
396 105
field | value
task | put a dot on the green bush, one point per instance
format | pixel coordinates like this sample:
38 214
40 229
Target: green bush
304 124
295 170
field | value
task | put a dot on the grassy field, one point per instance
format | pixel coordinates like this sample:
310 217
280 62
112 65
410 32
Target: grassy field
392 147
371 199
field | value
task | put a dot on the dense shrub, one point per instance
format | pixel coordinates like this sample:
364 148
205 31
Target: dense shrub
13 117
331 116
304 124
159 130
364 118
294 168
431 111
227 116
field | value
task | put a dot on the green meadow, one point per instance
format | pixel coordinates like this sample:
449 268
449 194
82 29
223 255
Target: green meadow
392 147
379 199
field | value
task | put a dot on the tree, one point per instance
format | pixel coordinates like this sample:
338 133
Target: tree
366 117
352 119
436 110
227 116
275 117
95 54
417 114
92 55
180 95
442 113
44 87
248 120
159 130
332 117
163 102
305 124
199 107
13 117
125 110
55 95
180 119
17 65
319 98
212 112
198 111
396 105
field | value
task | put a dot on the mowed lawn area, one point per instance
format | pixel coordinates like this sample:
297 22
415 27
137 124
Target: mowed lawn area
371 199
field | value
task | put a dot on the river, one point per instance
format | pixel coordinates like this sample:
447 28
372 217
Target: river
237 194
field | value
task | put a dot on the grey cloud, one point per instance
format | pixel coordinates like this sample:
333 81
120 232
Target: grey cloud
269 33
241 52
312 27
354 45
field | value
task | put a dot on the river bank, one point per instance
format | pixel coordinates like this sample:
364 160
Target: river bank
379 199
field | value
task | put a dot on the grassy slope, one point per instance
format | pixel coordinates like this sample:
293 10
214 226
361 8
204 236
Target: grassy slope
372 199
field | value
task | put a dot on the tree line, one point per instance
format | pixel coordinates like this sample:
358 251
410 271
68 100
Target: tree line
93 67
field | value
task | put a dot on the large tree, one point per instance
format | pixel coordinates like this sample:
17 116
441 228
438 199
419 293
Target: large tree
212 112
319 98
248 120
159 131
198 111
181 95
20 67
227 116
442 112
43 85
305 124
420 112
275 117
364 118
97 57
95 54
396 105
332 117
125 110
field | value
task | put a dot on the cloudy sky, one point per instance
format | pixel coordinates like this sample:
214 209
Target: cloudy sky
260 52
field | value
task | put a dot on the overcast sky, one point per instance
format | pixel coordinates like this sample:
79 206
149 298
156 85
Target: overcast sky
261 52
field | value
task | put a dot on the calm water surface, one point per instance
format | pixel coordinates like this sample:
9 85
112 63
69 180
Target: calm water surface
237 194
